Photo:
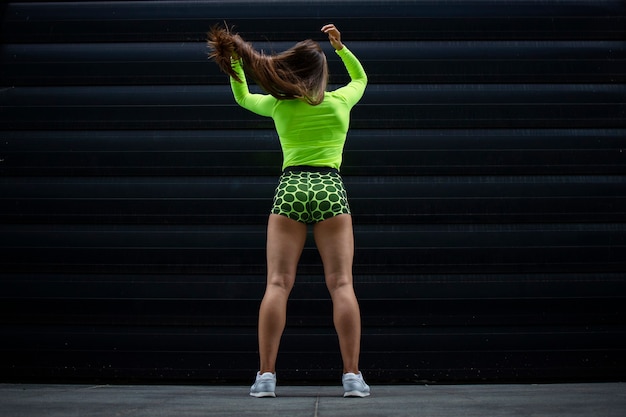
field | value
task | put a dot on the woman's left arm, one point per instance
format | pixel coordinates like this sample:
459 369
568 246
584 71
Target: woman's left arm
261 104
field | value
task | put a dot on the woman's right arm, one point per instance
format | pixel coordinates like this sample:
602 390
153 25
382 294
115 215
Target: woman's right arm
352 92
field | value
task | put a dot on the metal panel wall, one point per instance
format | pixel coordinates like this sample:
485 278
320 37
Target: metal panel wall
486 168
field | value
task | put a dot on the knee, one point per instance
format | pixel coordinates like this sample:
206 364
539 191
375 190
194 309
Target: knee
339 283
280 282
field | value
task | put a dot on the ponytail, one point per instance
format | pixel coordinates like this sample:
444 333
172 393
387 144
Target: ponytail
223 47
301 72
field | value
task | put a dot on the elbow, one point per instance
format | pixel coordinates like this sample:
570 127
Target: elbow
362 77
239 101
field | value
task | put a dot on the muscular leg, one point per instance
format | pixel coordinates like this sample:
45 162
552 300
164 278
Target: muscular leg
335 242
285 241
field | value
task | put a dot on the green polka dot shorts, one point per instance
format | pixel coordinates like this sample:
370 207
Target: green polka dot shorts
310 197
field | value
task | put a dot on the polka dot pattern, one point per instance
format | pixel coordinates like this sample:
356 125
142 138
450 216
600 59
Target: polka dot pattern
310 197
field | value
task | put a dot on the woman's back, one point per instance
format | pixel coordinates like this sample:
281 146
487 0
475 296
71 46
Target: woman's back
312 135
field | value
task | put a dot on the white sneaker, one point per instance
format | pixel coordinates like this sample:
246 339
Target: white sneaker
264 386
354 385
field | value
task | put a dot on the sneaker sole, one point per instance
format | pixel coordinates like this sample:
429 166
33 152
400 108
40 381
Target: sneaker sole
356 394
263 394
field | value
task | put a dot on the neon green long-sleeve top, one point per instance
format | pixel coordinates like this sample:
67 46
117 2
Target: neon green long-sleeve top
309 135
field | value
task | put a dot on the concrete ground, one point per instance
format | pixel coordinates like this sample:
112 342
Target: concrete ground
545 400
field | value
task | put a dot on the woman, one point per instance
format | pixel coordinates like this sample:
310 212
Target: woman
312 125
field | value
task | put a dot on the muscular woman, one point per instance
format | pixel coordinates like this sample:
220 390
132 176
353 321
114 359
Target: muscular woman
312 124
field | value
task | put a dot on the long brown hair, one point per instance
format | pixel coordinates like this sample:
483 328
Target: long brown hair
301 72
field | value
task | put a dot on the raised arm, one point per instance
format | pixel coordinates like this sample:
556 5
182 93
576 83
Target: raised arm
261 104
352 92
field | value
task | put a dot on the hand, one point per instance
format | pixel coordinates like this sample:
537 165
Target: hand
333 36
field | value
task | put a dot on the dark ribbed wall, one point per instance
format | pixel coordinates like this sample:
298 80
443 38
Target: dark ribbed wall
486 168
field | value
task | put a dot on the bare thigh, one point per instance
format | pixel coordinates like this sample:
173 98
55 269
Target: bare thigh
285 241
334 238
